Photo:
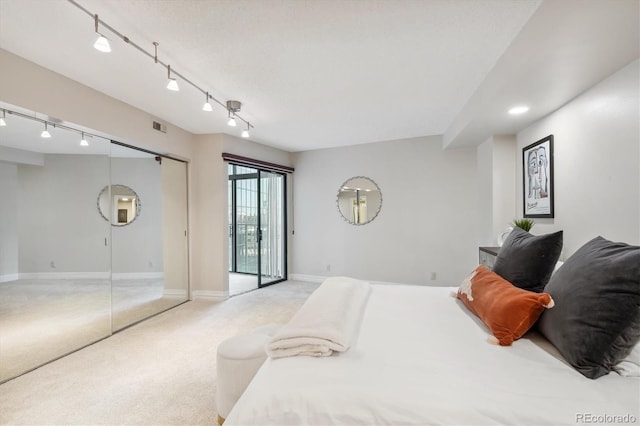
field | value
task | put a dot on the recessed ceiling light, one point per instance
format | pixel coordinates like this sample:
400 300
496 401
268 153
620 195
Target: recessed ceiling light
518 110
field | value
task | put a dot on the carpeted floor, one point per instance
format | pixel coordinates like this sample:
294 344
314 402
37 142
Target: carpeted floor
41 320
159 372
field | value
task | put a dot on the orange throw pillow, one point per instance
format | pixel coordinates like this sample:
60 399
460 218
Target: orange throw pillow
507 310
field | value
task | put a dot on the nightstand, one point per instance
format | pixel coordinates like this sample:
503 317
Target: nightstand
487 256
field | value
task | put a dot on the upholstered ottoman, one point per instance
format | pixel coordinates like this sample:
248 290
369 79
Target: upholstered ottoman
239 359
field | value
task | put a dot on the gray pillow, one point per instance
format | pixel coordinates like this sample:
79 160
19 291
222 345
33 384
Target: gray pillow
596 319
526 260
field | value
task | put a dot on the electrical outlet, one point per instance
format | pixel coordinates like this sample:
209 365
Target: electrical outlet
433 276
53 264
328 268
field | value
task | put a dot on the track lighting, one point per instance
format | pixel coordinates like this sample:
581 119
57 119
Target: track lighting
83 142
207 105
173 84
102 43
233 107
45 133
245 132
2 122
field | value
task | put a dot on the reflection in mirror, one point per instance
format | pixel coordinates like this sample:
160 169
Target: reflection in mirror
359 200
55 265
67 276
149 266
119 202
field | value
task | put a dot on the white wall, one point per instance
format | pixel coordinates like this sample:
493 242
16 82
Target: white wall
496 187
8 222
137 247
58 219
596 163
427 222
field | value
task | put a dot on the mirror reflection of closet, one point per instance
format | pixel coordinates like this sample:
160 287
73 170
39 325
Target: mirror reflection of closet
68 277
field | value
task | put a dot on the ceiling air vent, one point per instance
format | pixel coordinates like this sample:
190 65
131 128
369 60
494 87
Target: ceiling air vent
160 127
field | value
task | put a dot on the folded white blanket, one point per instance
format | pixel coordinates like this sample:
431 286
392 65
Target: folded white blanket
327 322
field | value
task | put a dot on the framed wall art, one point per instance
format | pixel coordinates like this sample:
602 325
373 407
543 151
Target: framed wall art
537 182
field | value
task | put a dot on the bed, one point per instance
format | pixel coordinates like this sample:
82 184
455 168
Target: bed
420 357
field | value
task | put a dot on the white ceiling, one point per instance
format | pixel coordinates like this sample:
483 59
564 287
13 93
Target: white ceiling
325 73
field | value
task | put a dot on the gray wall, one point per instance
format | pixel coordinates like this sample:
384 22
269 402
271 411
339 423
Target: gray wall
57 215
137 247
57 219
597 162
8 222
427 221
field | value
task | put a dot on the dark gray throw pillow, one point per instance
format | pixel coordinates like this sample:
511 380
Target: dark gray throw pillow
596 319
526 260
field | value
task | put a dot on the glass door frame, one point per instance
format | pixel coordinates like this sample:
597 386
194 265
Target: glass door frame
283 207
233 228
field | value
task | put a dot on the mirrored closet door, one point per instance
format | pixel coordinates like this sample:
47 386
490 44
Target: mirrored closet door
93 238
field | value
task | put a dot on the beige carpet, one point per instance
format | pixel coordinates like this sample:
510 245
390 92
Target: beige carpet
41 320
159 372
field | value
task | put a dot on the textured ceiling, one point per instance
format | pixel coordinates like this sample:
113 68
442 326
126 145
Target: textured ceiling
310 74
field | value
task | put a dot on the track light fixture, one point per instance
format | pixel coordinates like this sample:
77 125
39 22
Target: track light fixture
45 133
173 84
102 43
207 105
233 107
2 122
245 132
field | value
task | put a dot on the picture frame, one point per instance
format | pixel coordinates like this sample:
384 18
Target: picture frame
537 179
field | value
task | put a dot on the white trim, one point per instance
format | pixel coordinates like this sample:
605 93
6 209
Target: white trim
307 278
9 277
210 294
174 292
136 275
65 276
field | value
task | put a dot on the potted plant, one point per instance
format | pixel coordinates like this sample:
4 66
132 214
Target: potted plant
525 224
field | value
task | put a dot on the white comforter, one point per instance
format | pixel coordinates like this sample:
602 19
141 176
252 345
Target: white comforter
420 359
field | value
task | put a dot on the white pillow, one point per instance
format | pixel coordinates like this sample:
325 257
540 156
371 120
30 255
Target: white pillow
630 366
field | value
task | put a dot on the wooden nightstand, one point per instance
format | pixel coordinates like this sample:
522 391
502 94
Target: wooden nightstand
487 256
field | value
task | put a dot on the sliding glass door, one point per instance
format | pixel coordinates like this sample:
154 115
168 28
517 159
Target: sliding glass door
257 228
272 220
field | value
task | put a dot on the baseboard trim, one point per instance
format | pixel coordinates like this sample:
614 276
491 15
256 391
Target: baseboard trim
174 292
210 295
307 278
137 276
65 276
9 277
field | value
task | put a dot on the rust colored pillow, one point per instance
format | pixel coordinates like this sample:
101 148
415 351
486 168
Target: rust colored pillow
507 310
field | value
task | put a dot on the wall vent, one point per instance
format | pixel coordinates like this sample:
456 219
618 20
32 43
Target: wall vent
160 127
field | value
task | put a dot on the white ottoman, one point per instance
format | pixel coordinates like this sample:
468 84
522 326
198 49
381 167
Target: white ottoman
239 359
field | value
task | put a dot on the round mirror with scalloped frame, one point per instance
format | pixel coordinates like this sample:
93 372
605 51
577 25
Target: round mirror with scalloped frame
359 200
118 204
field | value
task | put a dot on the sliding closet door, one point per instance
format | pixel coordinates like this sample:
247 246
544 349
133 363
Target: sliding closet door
54 254
272 228
149 240
174 229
